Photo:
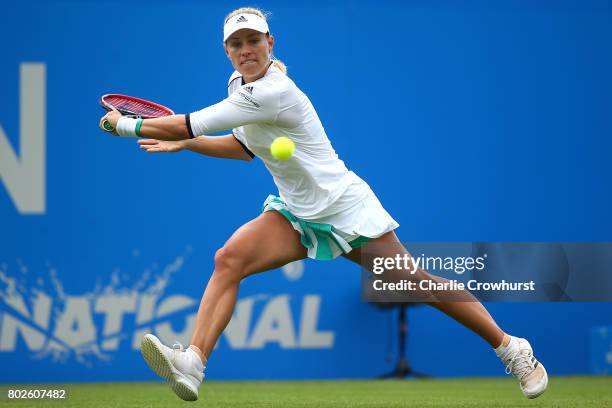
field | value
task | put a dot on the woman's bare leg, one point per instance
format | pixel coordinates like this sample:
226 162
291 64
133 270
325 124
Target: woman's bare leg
467 310
265 243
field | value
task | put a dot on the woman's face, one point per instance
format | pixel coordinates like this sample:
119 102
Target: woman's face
249 51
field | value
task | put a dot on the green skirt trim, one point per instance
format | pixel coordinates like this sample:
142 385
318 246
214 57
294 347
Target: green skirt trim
322 241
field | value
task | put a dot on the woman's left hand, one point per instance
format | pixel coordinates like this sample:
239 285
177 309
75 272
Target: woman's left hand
112 118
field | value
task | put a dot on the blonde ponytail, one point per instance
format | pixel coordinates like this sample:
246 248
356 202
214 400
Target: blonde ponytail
280 65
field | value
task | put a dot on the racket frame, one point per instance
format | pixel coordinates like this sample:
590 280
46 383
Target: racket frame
128 113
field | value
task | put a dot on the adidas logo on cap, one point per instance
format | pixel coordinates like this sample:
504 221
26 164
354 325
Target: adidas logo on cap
241 19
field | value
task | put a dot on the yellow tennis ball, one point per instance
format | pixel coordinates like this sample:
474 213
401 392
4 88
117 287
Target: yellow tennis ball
282 148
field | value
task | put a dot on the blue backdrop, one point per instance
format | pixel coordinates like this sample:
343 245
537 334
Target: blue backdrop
471 122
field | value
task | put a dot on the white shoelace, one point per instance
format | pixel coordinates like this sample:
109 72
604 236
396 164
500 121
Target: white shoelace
521 364
178 348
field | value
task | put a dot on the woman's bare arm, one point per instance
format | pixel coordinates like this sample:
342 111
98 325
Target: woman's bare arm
226 146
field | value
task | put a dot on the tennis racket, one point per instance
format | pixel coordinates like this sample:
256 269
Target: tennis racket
132 107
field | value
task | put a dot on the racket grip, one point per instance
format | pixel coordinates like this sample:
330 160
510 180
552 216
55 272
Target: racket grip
107 126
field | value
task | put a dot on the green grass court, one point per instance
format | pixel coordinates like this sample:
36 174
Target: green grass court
577 392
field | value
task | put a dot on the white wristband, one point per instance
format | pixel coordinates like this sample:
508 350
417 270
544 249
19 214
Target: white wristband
127 127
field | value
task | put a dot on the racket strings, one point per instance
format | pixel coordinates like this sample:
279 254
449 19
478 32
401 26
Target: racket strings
132 107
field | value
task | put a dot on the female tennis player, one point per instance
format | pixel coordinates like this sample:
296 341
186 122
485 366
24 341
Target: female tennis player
323 210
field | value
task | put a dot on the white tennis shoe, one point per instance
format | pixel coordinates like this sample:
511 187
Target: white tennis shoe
182 368
521 363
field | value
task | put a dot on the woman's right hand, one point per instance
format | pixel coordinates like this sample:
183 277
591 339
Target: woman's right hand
161 146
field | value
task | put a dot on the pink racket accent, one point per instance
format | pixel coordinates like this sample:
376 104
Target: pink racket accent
129 105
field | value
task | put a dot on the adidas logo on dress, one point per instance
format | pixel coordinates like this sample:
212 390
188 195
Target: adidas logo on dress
249 89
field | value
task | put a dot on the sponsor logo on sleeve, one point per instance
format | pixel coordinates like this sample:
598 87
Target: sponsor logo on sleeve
247 94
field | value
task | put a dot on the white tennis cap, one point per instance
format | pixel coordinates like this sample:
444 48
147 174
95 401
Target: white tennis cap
244 20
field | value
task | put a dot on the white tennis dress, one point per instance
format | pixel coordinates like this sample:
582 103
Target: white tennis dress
314 184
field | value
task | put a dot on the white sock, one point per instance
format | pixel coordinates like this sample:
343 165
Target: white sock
502 351
196 358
